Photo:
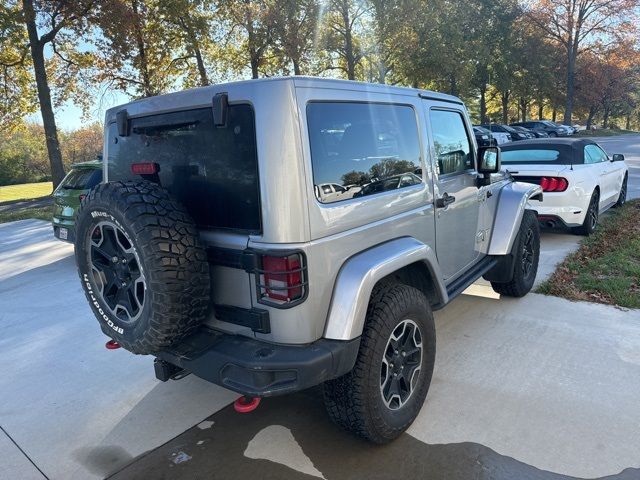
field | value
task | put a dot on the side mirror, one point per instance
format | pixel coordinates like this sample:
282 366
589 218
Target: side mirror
617 157
488 160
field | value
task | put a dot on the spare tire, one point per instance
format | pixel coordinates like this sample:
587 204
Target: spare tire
141 264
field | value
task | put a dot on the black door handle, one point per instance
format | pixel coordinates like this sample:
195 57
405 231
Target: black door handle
445 200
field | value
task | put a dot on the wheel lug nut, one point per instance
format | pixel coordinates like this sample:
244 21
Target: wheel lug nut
114 259
395 374
124 284
404 354
391 365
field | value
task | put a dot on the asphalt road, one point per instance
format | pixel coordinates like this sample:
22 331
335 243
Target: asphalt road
629 146
534 388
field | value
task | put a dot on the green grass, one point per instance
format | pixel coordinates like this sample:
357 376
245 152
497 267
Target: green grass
606 267
25 191
609 132
43 213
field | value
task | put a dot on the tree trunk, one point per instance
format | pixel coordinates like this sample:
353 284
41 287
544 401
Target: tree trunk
44 94
554 114
592 113
254 66
524 107
453 85
382 72
349 55
296 66
504 97
605 118
143 66
627 123
540 109
202 71
483 104
572 53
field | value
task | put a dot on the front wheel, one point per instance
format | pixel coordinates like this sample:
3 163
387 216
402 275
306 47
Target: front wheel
622 197
384 392
526 253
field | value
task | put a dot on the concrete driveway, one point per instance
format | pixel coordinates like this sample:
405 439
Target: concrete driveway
535 388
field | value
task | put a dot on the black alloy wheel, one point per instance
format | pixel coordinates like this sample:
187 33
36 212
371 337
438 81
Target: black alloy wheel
528 253
116 270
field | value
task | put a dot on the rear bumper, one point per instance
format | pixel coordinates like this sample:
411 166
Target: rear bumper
256 368
69 226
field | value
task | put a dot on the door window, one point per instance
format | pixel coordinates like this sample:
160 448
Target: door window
594 154
451 142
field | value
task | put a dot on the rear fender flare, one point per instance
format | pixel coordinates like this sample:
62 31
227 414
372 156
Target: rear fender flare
359 274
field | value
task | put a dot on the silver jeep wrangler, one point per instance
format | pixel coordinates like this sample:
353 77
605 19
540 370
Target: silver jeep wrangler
273 235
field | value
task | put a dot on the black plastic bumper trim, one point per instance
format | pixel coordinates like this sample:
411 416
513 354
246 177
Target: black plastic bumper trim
255 368
255 318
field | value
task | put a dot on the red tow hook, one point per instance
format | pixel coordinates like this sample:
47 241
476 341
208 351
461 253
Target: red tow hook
246 404
112 345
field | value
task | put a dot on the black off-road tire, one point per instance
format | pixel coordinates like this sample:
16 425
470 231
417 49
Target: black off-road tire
355 400
526 253
162 238
622 197
591 218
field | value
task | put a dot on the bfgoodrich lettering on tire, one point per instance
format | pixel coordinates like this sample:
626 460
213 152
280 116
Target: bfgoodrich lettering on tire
384 392
141 265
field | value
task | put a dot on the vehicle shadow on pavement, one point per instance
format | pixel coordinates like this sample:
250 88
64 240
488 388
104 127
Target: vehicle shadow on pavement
301 443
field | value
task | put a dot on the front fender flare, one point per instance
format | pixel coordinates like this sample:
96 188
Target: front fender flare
359 275
511 206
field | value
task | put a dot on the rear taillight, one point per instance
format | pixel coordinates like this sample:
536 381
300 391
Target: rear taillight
146 168
282 279
554 184
82 196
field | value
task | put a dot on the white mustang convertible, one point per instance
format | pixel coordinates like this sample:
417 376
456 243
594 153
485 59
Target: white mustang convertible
577 177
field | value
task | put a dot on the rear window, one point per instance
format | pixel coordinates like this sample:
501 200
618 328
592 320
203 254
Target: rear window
361 149
82 179
529 156
212 171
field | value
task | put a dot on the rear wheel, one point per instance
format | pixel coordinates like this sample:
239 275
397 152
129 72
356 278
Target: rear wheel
553 134
526 253
622 198
384 392
591 219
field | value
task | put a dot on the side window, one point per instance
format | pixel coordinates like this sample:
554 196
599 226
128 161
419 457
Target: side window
594 154
451 142
359 149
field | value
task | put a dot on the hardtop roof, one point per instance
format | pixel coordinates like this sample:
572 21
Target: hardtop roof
200 96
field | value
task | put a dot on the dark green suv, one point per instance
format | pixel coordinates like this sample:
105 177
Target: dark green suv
67 197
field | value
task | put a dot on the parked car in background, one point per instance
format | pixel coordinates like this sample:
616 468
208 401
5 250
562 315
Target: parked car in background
484 137
513 133
577 177
570 128
527 133
550 128
67 197
535 133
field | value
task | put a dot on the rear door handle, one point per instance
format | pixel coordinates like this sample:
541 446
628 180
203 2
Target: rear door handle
445 200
